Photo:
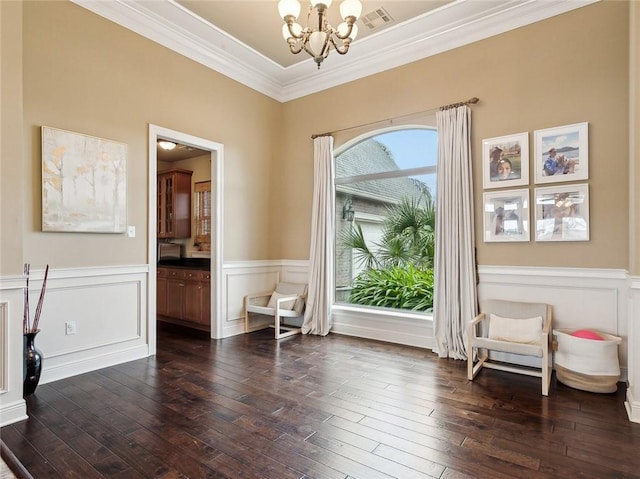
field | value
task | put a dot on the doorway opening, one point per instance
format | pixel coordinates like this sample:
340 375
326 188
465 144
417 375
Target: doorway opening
216 151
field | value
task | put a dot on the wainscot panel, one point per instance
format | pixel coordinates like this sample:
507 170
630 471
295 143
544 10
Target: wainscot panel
246 277
632 402
401 328
581 298
107 307
12 406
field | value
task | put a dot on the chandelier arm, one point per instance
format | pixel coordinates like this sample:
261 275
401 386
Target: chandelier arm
291 32
350 21
344 44
293 49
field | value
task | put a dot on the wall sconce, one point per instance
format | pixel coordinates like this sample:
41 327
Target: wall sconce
347 211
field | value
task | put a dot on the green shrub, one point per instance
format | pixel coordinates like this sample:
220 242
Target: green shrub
399 287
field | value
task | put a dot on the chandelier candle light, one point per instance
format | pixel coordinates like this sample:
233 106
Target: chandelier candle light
317 42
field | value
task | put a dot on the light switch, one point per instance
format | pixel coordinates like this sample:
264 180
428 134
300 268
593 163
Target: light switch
131 231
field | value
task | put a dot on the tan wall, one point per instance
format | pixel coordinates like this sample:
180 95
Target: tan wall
634 140
85 74
569 69
11 139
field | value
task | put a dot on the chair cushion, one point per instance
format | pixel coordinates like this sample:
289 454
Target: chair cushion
294 288
289 304
509 347
515 330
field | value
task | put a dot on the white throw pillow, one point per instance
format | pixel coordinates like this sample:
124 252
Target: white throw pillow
526 331
283 305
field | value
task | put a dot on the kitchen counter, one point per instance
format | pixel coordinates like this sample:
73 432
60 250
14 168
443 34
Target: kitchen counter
201 264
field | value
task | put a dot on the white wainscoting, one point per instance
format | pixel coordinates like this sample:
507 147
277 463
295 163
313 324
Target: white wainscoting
246 277
632 402
408 329
109 308
4 348
581 297
12 406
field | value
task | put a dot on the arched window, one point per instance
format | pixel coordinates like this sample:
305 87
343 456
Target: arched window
385 220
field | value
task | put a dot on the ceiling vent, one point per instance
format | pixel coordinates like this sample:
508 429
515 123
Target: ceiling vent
376 19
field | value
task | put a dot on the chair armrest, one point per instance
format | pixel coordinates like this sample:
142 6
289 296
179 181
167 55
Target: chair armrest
477 319
546 328
259 295
251 298
287 298
471 328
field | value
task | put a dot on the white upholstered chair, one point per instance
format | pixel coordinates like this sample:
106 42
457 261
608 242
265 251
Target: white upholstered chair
511 327
285 303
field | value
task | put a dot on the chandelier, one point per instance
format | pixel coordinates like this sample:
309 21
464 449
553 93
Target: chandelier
318 41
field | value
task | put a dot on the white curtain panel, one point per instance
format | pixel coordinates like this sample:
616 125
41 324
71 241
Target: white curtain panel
317 316
455 297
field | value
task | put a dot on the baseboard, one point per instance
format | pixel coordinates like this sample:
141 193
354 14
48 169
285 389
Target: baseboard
13 412
385 335
88 364
632 406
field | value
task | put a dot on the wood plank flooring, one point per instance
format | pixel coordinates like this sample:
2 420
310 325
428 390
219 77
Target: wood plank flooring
312 407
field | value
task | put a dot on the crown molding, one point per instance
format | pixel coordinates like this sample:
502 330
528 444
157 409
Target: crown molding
453 25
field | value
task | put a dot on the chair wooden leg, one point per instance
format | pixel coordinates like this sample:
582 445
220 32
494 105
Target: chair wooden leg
473 369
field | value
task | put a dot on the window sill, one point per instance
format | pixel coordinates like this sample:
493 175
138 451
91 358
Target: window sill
382 313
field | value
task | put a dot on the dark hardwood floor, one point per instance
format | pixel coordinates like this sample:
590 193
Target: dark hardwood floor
311 407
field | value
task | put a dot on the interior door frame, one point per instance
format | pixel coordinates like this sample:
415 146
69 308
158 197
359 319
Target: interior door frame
217 155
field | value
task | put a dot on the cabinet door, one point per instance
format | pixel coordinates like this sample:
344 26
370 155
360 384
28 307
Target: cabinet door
161 292
192 301
205 315
174 204
175 297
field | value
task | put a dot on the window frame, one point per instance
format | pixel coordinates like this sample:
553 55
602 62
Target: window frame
385 315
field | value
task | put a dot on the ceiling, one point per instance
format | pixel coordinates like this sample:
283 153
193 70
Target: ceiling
180 152
258 25
242 39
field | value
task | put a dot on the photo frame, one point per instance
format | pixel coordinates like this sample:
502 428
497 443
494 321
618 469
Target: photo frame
84 183
562 213
505 161
561 153
506 216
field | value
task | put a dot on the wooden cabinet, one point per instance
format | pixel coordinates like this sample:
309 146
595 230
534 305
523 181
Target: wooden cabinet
161 291
174 204
188 297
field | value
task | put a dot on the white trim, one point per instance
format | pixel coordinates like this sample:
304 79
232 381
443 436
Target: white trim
217 182
456 24
93 362
388 326
4 353
632 403
532 272
632 406
13 412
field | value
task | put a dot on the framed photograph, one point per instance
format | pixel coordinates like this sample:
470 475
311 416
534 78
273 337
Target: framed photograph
506 215
562 153
505 161
84 183
562 213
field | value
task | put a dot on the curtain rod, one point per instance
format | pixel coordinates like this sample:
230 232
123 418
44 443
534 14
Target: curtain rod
471 101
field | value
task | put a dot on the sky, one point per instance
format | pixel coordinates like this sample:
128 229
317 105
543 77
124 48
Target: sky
412 149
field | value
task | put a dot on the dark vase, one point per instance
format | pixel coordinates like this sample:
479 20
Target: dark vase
32 364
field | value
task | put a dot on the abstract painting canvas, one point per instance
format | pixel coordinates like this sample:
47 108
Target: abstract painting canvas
84 183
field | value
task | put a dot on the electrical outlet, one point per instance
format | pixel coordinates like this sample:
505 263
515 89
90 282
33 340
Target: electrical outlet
70 327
